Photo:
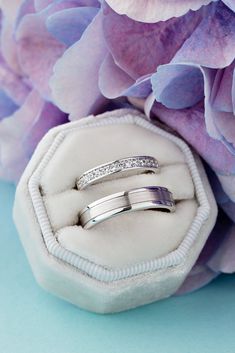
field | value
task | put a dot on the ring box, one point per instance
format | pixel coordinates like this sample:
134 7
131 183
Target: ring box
132 259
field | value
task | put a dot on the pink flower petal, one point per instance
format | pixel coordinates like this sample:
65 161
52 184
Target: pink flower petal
150 11
74 84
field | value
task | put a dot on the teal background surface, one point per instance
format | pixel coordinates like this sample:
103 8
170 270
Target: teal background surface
33 321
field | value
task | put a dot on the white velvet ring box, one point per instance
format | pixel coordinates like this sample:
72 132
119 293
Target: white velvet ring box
132 259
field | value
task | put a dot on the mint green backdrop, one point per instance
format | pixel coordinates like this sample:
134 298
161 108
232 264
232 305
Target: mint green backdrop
33 321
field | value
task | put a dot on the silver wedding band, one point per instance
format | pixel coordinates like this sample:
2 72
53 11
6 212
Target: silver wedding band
124 167
145 198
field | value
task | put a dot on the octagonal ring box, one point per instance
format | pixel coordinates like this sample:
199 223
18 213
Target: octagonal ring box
132 259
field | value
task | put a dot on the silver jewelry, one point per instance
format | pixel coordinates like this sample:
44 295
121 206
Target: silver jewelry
124 166
145 198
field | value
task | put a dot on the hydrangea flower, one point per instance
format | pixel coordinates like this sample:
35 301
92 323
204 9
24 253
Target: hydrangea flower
32 40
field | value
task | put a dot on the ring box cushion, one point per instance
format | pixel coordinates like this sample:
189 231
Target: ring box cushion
134 258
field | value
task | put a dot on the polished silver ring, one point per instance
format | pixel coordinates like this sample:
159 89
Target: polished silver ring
145 198
124 167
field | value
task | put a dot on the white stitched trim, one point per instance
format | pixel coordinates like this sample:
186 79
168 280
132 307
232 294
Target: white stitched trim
99 272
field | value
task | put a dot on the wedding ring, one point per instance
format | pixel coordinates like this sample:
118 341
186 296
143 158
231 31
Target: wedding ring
124 166
145 198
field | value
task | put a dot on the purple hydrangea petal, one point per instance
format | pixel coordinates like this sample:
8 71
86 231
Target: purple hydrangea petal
222 89
223 191
178 86
150 11
68 25
13 158
75 81
38 50
41 4
89 3
212 44
113 81
24 123
233 91
219 124
7 106
8 48
141 88
13 84
190 124
48 117
27 6
225 123
10 12
139 48
10 9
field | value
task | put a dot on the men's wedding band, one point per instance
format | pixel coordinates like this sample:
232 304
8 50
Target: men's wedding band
124 167
145 198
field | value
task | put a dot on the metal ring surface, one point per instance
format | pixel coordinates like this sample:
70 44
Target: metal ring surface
145 198
124 167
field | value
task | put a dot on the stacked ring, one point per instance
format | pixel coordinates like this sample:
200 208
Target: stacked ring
124 167
145 198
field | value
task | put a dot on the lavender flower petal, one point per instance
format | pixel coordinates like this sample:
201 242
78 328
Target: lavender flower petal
25 122
150 11
75 81
178 86
113 81
139 48
68 25
212 43
7 105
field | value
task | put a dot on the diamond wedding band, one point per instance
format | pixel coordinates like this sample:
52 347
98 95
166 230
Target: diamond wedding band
146 198
124 166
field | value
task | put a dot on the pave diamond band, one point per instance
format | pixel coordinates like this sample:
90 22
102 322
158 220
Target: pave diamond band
124 166
145 198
